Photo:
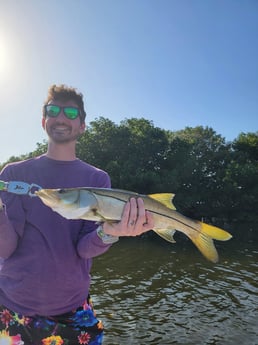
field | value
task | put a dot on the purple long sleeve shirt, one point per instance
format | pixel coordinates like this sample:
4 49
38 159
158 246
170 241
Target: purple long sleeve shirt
47 258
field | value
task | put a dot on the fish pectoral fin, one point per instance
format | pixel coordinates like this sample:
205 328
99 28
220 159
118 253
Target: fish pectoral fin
164 198
167 234
103 219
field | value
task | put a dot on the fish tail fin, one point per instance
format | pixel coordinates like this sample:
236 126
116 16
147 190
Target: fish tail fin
204 240
215 232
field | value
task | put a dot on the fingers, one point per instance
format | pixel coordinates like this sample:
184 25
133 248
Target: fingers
133 212
149 224
135 220
138 219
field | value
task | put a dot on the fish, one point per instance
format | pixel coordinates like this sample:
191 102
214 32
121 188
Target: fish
107 204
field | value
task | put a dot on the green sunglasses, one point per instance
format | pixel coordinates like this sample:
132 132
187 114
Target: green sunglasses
52 110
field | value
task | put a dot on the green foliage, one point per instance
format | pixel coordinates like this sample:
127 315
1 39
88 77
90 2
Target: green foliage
205 157
213 180
131 152
242 177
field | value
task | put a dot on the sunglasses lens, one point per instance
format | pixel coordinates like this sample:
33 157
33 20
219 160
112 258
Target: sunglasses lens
71 112
52 110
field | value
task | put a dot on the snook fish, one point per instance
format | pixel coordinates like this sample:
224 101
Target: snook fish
103 204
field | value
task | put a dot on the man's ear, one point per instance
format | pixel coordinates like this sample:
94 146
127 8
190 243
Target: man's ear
82 127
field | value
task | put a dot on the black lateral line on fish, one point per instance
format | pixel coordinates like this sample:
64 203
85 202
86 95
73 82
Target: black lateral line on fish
177 220
159 214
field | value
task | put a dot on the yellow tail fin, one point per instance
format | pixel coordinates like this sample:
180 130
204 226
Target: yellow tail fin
214 232
204 240
206 246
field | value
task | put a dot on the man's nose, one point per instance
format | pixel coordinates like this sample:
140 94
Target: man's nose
61 115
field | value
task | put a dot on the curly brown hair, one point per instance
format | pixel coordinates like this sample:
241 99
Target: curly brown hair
64 93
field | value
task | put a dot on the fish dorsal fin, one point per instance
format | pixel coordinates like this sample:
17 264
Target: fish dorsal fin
164 198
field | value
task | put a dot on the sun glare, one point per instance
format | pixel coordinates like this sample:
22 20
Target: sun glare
3 56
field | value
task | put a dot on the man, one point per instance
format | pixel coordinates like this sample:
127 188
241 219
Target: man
45 278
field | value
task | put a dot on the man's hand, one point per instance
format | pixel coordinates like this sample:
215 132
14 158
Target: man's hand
135 220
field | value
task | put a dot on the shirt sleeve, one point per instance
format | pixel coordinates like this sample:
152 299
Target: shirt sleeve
11 220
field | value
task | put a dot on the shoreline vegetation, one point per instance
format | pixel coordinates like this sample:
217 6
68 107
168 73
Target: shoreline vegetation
213 180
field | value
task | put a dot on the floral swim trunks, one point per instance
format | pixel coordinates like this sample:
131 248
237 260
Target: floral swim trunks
76 327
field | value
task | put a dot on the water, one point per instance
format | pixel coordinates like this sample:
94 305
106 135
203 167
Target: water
156 293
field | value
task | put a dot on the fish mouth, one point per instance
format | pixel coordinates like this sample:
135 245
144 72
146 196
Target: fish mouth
48 196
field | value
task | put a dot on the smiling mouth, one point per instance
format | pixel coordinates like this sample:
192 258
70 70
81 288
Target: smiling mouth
61 129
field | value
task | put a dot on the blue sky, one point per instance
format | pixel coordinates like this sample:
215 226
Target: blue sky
177 63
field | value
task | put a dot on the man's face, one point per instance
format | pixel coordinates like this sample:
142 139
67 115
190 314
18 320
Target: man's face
61 129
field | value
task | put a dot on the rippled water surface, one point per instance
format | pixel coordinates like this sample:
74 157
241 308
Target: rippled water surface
159 293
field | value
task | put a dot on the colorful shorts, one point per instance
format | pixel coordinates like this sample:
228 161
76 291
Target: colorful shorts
76 327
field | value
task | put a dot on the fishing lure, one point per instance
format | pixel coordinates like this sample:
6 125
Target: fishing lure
19 187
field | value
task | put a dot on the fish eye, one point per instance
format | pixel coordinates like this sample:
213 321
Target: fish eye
61 191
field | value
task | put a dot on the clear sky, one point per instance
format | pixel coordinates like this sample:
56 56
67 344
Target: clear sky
176 62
